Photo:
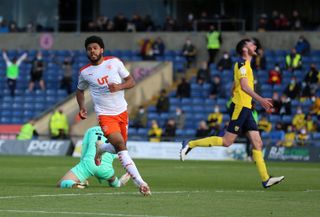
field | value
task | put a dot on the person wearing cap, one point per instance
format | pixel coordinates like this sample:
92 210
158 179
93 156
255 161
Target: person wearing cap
107 78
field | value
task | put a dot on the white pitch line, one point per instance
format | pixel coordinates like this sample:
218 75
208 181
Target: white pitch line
94 194
133 193
78 213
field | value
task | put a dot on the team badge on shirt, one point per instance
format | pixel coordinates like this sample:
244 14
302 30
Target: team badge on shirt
243 71
236 128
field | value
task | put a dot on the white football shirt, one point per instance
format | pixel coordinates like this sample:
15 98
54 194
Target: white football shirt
97 78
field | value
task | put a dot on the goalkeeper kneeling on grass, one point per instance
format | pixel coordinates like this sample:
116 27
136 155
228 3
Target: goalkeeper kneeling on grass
78 175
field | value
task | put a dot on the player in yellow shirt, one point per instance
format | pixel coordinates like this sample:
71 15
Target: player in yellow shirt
241 114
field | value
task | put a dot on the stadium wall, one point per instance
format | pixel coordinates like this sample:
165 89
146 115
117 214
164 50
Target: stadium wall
173 40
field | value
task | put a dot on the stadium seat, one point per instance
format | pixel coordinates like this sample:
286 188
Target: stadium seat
174 101
132 131
274 118
152 108
287 119
142 131
153 116
186 101
316 136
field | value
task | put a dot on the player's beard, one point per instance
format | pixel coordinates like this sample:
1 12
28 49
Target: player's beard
93 61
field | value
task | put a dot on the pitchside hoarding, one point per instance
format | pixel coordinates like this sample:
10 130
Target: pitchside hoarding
170 151
35 147
306 154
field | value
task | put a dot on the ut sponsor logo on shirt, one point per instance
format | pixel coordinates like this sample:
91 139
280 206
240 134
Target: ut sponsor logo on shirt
103 80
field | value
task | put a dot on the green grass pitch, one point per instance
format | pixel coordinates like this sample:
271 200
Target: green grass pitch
191 188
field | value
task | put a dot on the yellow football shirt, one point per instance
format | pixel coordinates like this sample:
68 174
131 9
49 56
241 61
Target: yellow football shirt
242 69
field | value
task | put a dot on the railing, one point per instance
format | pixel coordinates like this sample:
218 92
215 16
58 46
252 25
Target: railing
221 24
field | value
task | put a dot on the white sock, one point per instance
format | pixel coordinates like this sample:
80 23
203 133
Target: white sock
130 167
107 147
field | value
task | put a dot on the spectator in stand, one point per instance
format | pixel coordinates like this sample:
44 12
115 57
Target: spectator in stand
214 40
189 52
262 23
285 108
275 21
13 27
179 118
155 132
303 137
317 123
276 103
101 23
303 46
120 23
146 50
296 22
215 120
289 138
293 60
203 22
36 72
66 81
315 108
298 120
12 71
310 124
28 131
283 22
225 63
137 23
169 130
275 75
264 125
278 134
170 24
217 88
184 89
313 75
140 120
203 130
59 126
293 89
189 25
148 23
203 73
158 47
259 61
163 103
306 92
3 25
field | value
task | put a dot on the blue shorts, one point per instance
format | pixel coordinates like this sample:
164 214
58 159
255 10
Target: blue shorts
241 120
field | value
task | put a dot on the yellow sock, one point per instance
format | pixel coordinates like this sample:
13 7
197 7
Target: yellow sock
261 165
206 142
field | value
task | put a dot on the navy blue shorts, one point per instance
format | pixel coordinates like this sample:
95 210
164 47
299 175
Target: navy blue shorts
241 120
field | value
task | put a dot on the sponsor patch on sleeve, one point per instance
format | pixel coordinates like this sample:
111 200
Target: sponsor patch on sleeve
243 71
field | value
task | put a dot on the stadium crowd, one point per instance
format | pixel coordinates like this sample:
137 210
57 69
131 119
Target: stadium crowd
277 21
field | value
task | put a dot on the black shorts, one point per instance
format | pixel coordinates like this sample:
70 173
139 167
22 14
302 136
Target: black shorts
241 120
36 76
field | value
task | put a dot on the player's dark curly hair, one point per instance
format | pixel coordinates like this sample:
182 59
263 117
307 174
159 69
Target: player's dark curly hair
94 39
241 44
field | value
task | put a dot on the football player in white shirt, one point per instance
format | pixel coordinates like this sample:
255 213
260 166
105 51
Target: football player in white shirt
107 78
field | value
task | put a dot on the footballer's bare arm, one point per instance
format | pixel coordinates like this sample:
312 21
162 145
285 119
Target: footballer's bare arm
80 99
127 84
